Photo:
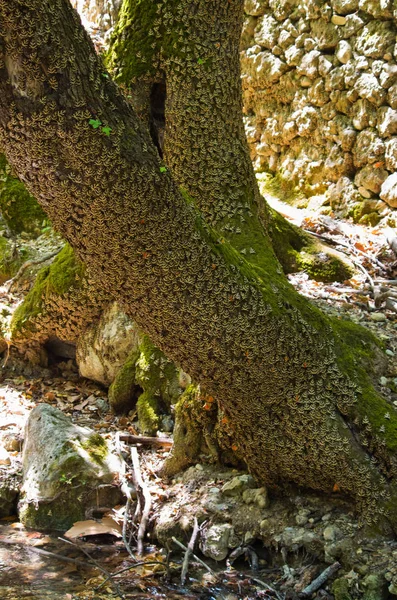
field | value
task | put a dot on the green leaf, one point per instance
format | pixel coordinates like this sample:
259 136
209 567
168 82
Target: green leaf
106 130
95 123
163 169
200 61
106 75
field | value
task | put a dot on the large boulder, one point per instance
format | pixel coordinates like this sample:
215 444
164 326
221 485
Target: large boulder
68 471
105 345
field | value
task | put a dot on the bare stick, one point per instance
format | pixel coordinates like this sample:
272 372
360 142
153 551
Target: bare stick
189 551
146 441
268 588
202 563
144 496
320 580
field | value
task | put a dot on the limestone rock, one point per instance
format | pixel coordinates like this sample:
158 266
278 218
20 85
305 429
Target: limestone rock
387 121
104 347
9 489
214 541
369 148
67 471
388 191
343 51
309 64
281 9
391 154
368 87
371 178
344 7
327 35
267 32
380 9
256 496
375 39
255 8
238 485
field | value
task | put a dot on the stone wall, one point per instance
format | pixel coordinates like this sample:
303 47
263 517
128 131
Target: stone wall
320 96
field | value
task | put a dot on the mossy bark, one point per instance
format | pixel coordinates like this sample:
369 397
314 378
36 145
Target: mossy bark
266 354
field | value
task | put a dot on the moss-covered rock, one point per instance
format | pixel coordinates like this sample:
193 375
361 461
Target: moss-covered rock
67 470
340 589
11 258
19 209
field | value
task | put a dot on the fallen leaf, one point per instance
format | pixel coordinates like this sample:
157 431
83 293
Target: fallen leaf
91 527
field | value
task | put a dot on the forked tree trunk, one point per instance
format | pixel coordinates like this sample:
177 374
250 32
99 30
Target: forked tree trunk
279 368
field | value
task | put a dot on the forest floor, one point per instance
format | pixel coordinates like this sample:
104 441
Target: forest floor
283 546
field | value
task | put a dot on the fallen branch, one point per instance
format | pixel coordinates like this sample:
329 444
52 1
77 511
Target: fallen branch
144 440
144 498
189 551
201 562
127 491
320 580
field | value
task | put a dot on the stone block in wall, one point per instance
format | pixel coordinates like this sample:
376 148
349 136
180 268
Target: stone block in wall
388 75
343 51
326 35
369 148
316 94
256 8
379 9
392 96
281 9
309 64
388 191
371 178
363 115
267 32
391 154
354 24
387 121
344 7
375 39
368 87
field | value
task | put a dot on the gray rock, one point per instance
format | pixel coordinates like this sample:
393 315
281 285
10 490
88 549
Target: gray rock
214 542
9 489
293 56
354 24
388 191
67 471
104 347
238 485
256 496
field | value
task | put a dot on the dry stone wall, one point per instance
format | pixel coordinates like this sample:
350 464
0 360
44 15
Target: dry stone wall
320 96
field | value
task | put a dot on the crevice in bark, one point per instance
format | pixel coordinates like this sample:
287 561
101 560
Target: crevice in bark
158 95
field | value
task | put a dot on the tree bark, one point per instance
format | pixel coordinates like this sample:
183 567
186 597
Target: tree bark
278 367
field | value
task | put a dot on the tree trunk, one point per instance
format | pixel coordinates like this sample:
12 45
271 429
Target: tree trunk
279 368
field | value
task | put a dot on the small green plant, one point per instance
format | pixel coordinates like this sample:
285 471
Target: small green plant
106 130
163 169
95 123
200 61
67 479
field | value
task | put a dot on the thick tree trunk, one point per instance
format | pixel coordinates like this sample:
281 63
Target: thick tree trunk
278 367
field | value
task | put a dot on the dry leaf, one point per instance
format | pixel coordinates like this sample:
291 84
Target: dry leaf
91 527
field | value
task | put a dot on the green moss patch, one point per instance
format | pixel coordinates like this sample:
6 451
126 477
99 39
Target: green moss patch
19 209
64 274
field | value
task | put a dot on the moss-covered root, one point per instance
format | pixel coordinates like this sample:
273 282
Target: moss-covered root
297 251
19 209
124 390
201 432
147 373
61 303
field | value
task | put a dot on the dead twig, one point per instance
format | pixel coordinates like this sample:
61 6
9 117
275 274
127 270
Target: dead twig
201 562
144 498
144 440
127 491
268 588
317 583
189 551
